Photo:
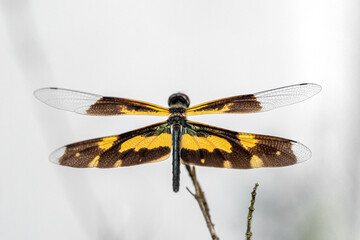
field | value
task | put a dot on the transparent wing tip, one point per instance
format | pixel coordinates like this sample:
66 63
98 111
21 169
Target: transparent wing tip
65 99
301 152
41 93
284 96
49 96
311 88
56 155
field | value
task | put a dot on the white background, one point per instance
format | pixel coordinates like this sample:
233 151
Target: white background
148 50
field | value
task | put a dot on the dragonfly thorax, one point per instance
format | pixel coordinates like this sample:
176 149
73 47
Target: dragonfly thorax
177 119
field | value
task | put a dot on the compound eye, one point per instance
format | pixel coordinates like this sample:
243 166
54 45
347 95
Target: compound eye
179 98
186 99
172 98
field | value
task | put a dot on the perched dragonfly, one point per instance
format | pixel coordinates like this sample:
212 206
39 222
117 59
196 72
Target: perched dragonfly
191 143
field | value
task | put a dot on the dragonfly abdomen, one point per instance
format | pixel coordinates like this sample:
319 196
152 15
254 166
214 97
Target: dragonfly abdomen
176 142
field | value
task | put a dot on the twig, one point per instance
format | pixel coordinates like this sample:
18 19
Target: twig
200 198
251 210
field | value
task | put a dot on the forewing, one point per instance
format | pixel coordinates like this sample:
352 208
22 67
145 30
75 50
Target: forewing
258 102
145 145
93 104
209 146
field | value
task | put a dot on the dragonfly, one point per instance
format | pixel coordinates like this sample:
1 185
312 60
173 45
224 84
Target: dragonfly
191 143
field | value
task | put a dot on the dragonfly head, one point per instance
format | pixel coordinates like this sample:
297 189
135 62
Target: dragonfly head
179 99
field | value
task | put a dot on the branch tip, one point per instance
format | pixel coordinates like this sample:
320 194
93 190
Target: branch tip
250 214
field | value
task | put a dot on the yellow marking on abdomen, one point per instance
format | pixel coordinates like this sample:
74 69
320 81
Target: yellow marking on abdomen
77 154
118 163
209 143
138 142
94 162
256 162
107 142
278 153
227 164
202 161
247 140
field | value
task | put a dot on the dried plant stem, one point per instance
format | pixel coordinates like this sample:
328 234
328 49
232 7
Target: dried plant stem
200 198
251 210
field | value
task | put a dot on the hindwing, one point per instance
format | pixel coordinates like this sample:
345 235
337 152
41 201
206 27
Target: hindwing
209 146
145 145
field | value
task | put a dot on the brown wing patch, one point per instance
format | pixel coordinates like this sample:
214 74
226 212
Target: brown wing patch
237 104
271 151
145 145
119 106
238 150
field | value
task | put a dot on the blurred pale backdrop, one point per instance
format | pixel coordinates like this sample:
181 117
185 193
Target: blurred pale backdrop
148 50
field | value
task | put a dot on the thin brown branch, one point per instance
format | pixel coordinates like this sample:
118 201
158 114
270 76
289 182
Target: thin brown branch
250 215
200 198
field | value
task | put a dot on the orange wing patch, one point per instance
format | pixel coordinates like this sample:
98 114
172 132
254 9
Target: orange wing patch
107 142
210 143
148 142
247 140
